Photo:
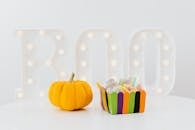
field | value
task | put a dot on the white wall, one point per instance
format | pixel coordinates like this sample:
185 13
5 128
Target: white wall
123 17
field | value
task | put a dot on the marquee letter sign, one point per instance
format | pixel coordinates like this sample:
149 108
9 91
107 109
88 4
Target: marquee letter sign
45 58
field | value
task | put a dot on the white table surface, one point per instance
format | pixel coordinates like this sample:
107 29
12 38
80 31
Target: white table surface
162 113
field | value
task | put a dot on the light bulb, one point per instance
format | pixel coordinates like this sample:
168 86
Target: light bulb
62 74
41 94
19 33
19 95
42 33
61 51
83 78
113 47
107 35
158 35
83 48
143 35
136 63
165 47
29 63
58 37
135 47
83 63
158 90
113 63
165 62
29 81
90 35
166 78
29 46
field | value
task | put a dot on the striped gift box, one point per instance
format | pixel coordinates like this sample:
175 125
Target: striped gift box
123 101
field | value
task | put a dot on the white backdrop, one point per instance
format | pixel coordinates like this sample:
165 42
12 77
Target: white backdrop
123 17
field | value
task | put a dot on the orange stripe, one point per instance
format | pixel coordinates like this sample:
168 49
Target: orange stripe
125 102
142 100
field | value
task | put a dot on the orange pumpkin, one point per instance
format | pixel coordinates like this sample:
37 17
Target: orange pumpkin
70 95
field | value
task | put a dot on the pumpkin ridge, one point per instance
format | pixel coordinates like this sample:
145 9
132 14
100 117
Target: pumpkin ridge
77 96
66 96
88 94
84 94
73 88
62 96
76 103
69 96
80 95
56 93
86 97
60 92
52 93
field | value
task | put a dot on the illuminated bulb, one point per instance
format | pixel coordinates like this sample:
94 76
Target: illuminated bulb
165 47
61 51
113 63
42 33
19 95
84 63
158 35
29 46
62 74
41 94
159 90
136 63
90 35
19 33
166 78
84 78
143 35
165 62
113 47
29 81
107 35
135 47
83 48
30 63
58 37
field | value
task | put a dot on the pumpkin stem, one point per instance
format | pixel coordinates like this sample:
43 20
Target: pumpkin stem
72 77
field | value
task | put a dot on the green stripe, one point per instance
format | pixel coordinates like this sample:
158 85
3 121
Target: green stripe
112 102
131 102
